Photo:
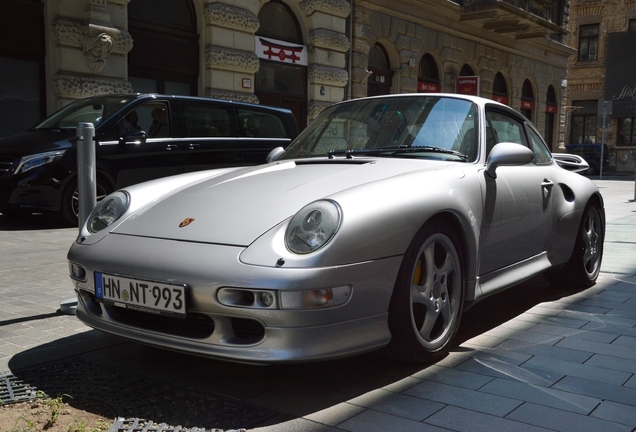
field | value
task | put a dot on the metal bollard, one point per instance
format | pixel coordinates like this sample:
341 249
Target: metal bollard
86 171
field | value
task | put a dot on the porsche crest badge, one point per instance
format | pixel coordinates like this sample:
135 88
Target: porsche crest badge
186 222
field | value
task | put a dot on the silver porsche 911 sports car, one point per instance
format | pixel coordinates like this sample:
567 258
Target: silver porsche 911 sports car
374 229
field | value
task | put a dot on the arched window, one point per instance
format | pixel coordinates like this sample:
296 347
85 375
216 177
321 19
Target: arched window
278 83
165 54
428 75
277 21
466 71
500 89
527 99
379 83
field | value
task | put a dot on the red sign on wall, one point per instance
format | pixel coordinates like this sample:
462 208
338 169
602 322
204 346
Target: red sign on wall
527 105
551 109
500 99
425 87
467 85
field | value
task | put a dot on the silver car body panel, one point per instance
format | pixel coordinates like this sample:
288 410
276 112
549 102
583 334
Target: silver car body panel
512 227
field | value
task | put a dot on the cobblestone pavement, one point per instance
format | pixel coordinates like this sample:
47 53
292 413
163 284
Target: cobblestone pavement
530 359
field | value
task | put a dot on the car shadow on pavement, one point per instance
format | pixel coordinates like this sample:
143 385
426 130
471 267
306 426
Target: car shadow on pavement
28 222
161 380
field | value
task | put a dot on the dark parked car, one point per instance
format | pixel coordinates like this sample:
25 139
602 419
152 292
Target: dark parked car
139 138
592 155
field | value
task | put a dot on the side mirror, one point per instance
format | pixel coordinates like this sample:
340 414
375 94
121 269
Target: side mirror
274 154
134 136
508 154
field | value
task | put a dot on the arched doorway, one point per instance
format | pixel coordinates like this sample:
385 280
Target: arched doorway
527 100
278 82
380 82
22 53
165 54
551 110
500 89
428 75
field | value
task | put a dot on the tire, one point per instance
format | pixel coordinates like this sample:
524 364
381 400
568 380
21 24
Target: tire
69 208
584 266
426 304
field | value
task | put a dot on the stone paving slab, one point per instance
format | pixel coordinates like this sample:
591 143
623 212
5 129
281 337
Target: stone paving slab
544 359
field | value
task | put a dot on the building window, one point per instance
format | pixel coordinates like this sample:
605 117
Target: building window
500 89
588 42
428 75
626 133
527 100
583 130
632 25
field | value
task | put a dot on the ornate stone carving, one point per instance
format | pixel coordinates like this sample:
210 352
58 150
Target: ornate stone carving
68 32
316 107
329 39
235 96
72 33
223 58
230 17
328 75
73 86
96 51
340 8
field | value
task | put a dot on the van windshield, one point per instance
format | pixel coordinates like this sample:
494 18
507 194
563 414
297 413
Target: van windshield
91 110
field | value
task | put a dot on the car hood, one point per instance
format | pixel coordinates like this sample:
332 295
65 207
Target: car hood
236 208
35 141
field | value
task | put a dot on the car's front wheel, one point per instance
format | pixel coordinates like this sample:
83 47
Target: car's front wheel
584 265
426 305
70 201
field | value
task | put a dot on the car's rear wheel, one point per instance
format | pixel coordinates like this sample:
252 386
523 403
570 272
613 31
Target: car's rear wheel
584 265
426 305
69 209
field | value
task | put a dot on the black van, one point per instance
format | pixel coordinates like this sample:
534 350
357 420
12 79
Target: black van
139 137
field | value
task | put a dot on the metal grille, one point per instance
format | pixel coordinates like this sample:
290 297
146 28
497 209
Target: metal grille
138 403
5 165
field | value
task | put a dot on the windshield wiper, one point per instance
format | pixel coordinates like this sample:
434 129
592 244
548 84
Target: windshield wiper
395 150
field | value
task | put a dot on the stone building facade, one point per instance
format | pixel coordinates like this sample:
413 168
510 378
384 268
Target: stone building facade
601 76
299 54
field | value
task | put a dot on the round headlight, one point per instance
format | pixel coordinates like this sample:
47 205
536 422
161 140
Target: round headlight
107 211
312 227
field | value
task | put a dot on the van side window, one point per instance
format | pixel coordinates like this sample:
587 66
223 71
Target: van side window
209 121
152 118
260 125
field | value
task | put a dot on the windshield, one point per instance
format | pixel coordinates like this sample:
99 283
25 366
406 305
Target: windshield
91 110
405 126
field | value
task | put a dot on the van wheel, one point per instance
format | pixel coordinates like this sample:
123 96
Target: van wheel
69 208
426 305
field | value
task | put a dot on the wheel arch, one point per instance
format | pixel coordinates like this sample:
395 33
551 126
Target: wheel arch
468 247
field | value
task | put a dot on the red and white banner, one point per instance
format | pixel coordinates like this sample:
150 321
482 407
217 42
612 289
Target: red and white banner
551 109
285 52
425 87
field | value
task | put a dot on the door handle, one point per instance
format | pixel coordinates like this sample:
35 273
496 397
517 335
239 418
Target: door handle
192 146
548 184
171 147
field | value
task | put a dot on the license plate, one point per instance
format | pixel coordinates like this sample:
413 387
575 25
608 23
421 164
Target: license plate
140 295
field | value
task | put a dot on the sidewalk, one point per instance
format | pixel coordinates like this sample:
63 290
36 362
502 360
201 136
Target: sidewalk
544 359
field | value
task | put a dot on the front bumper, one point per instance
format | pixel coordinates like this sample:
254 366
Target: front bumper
237 333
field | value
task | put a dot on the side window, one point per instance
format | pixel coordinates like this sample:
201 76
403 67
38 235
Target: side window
502 128
260 125
151 118
203 120
541 153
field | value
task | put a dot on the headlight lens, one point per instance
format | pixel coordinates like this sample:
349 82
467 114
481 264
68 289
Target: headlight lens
107 211
33 161
312 227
